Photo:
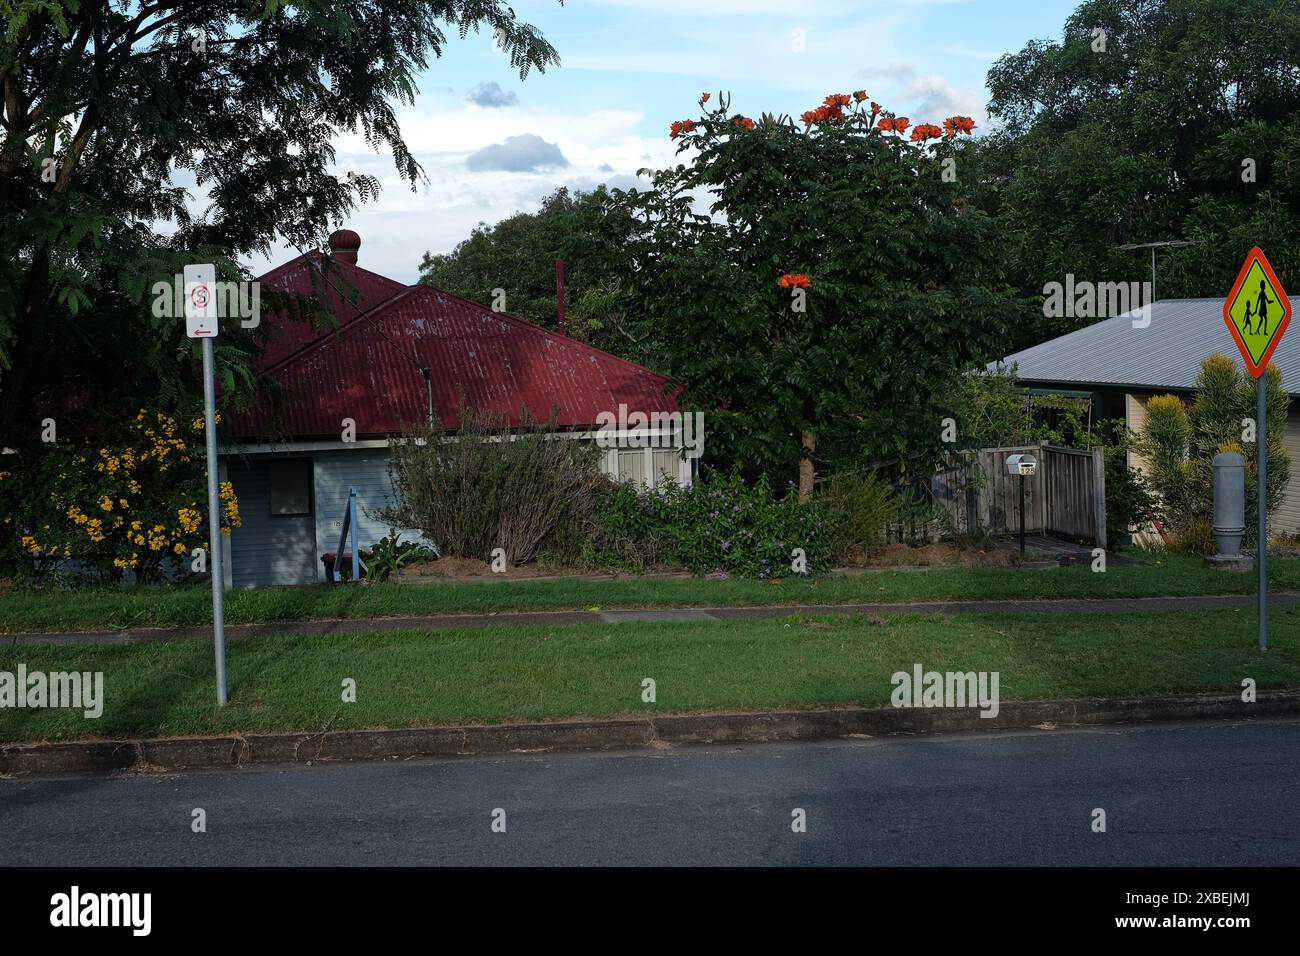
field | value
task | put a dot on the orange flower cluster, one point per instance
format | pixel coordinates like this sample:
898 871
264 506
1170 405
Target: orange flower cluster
958 124
794 280
832 109
821 114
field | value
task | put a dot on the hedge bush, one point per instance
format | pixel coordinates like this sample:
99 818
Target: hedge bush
718 524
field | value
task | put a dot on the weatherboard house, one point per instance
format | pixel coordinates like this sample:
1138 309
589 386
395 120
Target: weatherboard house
398 353
1120 364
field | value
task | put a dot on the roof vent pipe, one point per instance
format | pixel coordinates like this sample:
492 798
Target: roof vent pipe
344 244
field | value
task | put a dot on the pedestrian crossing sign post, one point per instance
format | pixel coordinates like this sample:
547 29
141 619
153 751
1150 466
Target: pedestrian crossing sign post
1257 313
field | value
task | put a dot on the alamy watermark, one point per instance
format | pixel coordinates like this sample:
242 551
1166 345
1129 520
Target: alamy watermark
625 429
75 908
1098 300
923 688
242 300
57 689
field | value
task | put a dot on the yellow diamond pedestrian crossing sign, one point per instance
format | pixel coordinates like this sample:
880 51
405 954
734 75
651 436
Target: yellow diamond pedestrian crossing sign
1257 311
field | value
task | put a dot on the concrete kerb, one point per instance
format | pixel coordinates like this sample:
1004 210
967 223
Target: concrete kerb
199 753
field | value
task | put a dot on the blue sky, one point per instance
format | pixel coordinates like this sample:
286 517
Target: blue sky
492 144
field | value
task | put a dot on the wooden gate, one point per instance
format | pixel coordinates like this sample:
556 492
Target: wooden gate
1075 492
1067 496
999 505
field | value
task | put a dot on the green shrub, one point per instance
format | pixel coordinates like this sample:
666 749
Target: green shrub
632 529
133 503
390 554
917 519
858 510
492 486
1181 442
717 524
1128 500
1194 537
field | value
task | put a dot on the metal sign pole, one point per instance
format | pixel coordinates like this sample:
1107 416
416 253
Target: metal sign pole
1257 297
1261 456
202 321
214 518
1022 514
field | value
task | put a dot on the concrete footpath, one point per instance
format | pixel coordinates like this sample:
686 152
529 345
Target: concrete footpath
239 750
437 622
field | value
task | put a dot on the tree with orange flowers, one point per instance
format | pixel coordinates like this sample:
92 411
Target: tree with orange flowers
816 283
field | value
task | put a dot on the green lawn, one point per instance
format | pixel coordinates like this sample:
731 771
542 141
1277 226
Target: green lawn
543 673
64 610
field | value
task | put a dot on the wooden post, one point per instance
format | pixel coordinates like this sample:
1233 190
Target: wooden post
1099 493
1042 477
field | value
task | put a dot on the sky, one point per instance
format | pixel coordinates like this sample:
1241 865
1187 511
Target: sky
492 144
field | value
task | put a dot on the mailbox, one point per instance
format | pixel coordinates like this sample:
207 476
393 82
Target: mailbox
1023 465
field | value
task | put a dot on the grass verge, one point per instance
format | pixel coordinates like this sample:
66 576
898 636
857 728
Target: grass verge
73 610
412 678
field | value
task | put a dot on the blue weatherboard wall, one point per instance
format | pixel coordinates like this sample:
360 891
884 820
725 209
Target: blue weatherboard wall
336 471
266 548
285 549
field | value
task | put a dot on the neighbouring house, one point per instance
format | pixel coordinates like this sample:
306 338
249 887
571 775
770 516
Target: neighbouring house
400 352
1120 366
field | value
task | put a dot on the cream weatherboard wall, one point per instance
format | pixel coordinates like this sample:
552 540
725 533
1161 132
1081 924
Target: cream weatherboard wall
1286 519
1135 415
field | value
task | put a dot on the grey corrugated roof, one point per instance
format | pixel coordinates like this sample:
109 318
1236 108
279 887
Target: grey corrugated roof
1165 354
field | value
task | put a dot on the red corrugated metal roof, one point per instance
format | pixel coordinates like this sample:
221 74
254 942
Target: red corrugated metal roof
303 276
369 370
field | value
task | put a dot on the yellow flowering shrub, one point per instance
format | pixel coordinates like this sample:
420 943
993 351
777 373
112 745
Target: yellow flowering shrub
138 504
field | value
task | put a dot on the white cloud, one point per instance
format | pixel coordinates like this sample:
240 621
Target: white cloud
491 96
400 226
935 99
526 153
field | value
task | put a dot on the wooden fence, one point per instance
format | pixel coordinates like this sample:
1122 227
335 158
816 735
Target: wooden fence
1067 496
1075 499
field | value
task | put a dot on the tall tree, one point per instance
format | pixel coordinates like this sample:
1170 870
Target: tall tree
115 111
817 286
514 260
1149 121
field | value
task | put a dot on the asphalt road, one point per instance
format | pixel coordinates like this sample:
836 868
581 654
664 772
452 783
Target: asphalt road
1189 794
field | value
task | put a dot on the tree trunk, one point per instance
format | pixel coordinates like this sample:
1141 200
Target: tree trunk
808 444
